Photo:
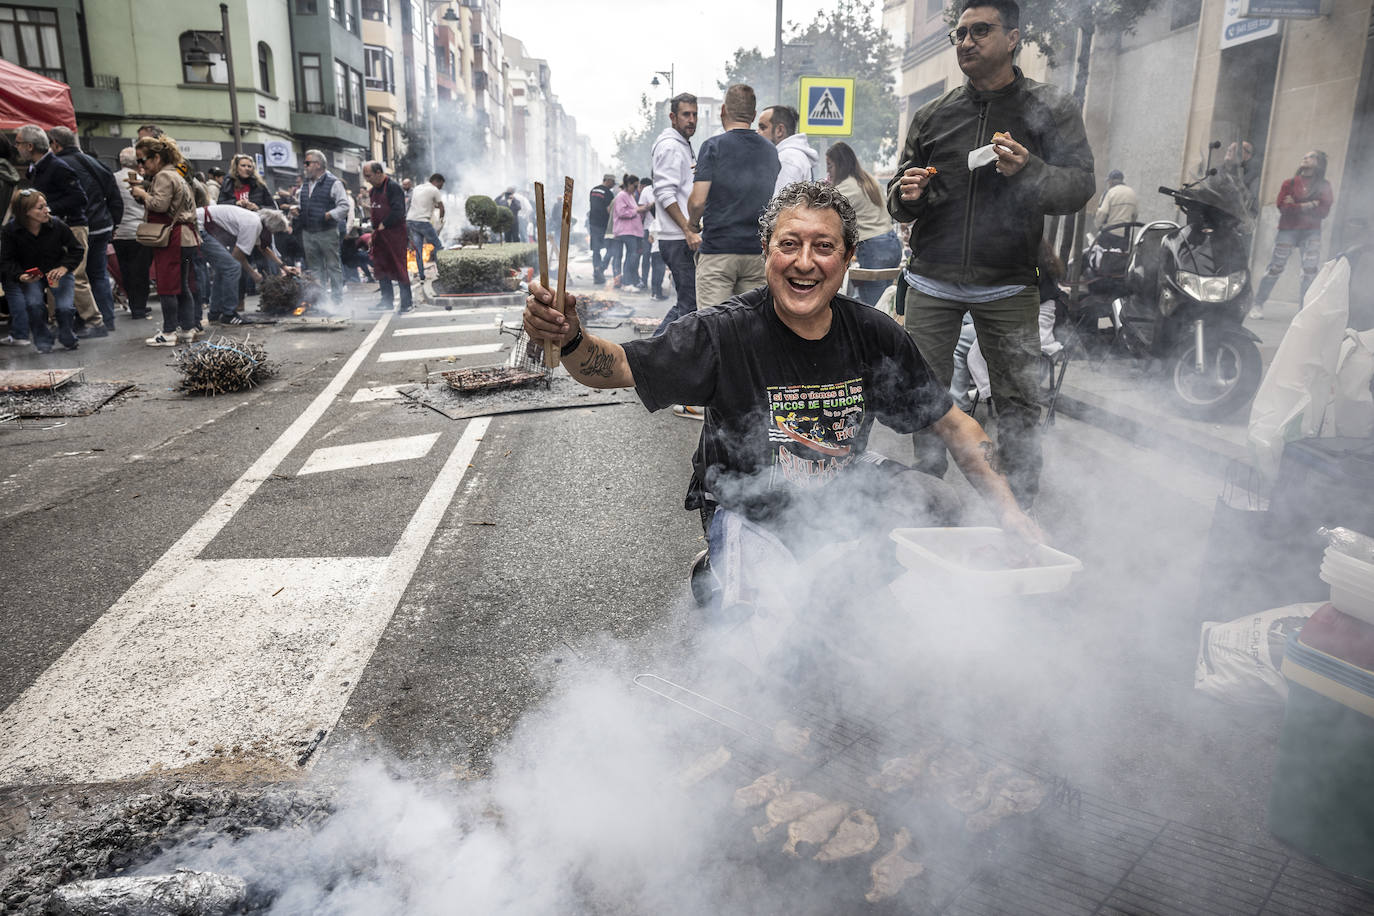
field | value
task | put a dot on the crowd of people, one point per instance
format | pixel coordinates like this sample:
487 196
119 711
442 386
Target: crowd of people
80 237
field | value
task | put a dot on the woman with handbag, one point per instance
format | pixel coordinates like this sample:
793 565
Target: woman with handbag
170 232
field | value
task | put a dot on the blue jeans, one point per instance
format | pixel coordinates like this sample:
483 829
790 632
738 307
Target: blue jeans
98 275
19 312
682 261
880 251
224 291
600 254
30 295
626 259
420 231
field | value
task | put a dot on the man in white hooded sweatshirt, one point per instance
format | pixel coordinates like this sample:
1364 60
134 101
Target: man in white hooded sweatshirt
798 160
674 162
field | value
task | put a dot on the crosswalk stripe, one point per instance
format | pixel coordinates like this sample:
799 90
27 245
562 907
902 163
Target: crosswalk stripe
362 454
246 660
437 353
450 329
380 393
461 312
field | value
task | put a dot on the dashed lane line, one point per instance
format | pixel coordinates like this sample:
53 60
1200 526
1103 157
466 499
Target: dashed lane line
449 329
363 454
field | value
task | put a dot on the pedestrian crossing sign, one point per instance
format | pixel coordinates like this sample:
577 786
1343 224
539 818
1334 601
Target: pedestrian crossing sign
827 105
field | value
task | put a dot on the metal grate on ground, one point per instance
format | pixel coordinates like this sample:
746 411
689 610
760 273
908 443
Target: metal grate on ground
1077 854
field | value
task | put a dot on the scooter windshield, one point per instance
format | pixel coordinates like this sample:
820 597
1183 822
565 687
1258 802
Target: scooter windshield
1222 193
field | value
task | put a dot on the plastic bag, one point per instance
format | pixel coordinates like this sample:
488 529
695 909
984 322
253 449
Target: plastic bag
1297 388
1352 403
1238 662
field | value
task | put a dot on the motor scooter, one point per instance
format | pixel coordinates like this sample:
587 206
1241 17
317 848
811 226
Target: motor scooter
1177 296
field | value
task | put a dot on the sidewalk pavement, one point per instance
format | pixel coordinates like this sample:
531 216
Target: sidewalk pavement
1119 395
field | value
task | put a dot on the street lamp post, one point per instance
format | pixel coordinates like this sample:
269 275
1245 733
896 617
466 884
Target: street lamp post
229 71
672 69
777 52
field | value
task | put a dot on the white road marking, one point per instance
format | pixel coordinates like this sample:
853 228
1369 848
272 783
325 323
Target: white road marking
450 329
380 393
362 454
437 353
461 312
249 659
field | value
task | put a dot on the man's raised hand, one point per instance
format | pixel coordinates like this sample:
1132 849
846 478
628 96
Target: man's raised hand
914 181
544 322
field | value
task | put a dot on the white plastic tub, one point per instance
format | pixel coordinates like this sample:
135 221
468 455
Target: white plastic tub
968 557
1349 593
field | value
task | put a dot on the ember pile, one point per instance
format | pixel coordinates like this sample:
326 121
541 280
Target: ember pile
494 378
284 294
100 839
222 364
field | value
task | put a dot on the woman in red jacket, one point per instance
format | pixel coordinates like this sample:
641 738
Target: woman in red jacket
1304 201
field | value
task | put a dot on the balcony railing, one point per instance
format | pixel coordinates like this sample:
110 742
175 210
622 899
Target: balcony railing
320 108
52 73
359 119
105 81
381 84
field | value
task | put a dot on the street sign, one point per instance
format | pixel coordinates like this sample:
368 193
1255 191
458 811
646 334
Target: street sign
1237 31
1284 9
204 150
279 154
827 106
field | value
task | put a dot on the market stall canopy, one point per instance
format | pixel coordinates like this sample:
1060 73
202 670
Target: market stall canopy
27 98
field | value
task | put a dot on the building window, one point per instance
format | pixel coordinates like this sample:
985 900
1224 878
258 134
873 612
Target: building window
934 8
202 58
312 86
920 97
307 7
29 38
341 90
265 67
355 92
336 10
381 69
380 10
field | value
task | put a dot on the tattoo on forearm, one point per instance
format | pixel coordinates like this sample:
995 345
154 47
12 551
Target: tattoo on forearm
599 362
990 456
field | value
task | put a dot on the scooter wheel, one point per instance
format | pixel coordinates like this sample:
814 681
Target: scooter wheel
1230 377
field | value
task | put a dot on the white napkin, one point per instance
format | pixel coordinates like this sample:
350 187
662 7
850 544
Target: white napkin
982 156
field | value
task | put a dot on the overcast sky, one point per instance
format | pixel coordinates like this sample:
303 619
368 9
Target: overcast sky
603 53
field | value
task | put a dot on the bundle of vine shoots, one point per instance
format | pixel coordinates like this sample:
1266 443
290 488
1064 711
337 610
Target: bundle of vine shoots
284 294
222 364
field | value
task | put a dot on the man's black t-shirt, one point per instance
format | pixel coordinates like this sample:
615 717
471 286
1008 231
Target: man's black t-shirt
742 168
599 212
784 415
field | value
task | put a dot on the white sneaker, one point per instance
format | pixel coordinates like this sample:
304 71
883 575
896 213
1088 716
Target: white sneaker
10 341
163 339
1256 313
190 336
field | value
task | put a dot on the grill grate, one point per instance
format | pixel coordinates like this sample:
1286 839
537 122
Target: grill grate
1078 854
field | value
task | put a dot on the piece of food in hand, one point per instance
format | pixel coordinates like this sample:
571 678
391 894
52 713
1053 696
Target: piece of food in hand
764 789
1017 793
931 170
703 766
791 738
814 828
787 808
856 835
902 771
892 870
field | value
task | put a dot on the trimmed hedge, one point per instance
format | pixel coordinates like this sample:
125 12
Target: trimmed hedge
483 270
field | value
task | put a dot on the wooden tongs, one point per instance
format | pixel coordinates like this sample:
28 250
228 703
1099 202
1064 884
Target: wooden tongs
550 347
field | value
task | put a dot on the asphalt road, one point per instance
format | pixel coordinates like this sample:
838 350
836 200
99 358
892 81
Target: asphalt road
196 585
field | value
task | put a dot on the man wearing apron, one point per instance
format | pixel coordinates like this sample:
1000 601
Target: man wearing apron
389 241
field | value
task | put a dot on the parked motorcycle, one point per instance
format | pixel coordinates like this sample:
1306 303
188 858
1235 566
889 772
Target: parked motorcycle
1176 295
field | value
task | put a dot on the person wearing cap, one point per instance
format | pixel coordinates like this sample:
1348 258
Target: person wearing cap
1118 205
598 219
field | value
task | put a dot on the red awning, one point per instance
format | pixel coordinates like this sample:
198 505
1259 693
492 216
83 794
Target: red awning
27 98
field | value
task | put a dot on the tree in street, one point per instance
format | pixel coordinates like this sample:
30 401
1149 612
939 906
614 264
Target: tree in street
634 146
841 41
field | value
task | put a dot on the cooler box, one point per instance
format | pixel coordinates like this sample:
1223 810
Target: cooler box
1322 798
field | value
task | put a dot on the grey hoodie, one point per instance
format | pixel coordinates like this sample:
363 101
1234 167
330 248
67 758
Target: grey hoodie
673 164
798 161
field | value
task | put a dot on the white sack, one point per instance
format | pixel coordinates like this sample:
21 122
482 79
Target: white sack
1238 662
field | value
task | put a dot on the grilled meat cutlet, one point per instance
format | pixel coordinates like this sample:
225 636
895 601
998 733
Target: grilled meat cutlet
892 870
856 835
814 828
